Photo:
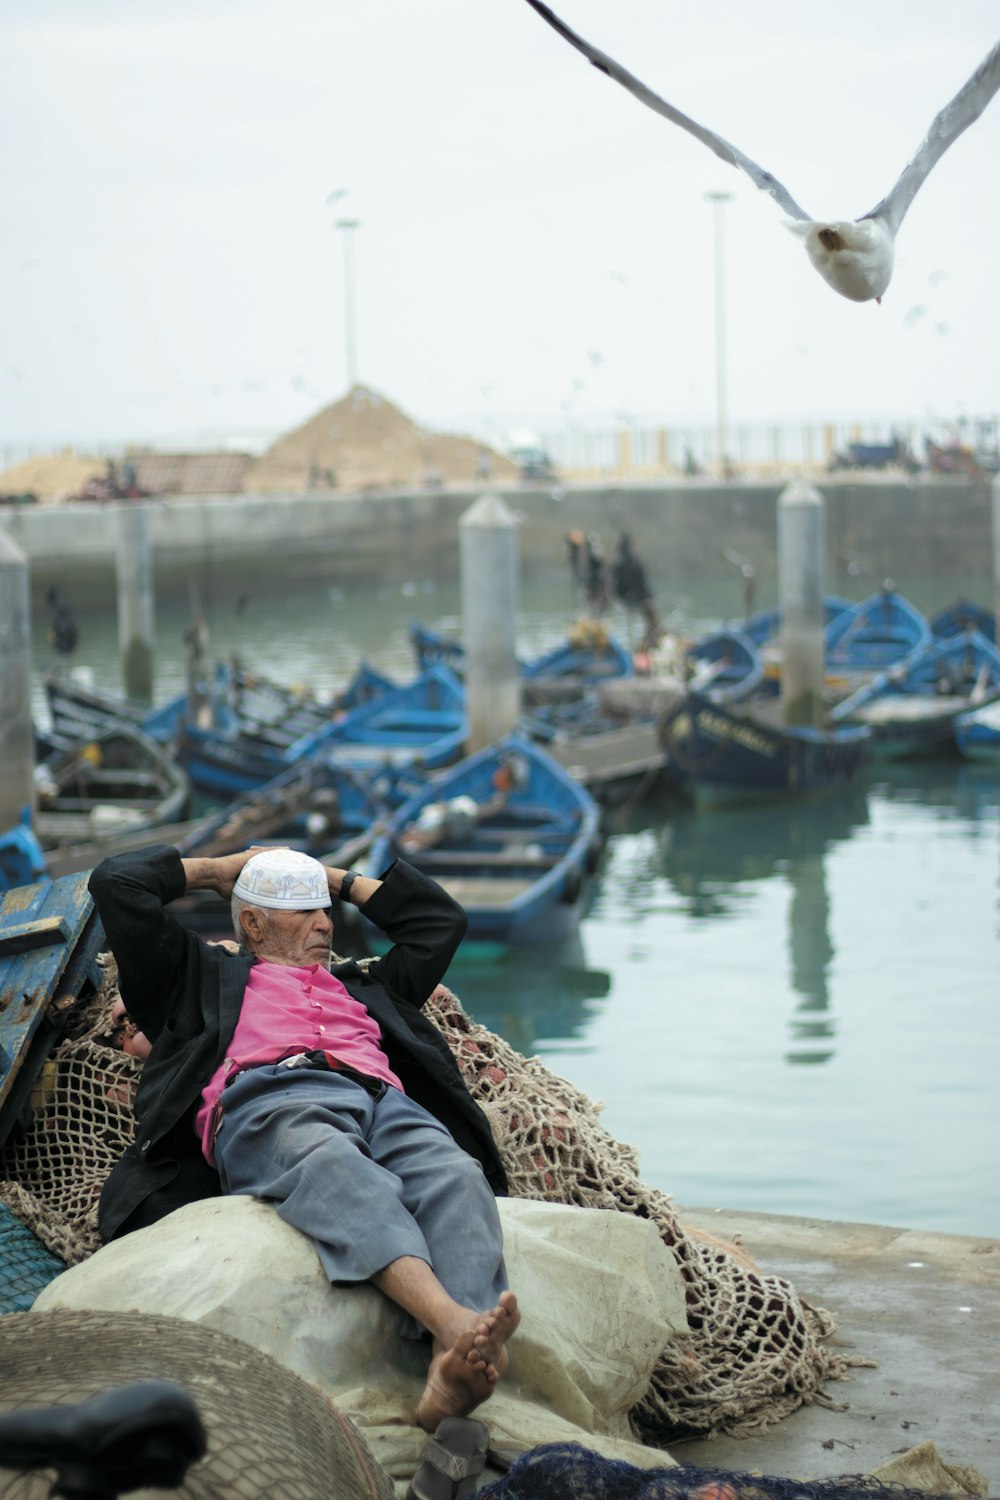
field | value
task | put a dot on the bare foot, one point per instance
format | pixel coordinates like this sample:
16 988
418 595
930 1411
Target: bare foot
494 1331
457 1382
463 1375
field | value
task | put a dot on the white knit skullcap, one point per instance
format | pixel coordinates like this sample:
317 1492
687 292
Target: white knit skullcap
284 879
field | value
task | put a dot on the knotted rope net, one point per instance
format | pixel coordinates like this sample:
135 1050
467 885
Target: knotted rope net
270 1433
755 1350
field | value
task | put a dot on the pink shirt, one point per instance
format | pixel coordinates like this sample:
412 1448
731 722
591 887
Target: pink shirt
287 1010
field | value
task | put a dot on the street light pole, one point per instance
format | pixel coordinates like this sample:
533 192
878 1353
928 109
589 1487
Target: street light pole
350 323
719 201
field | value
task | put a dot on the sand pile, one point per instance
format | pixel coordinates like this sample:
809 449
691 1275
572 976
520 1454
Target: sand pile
364 441
51 478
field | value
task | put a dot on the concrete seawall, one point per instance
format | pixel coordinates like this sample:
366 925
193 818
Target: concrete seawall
926 526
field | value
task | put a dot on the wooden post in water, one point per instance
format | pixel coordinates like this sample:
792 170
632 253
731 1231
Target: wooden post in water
17 736
995 493
490 599
801 572
135 598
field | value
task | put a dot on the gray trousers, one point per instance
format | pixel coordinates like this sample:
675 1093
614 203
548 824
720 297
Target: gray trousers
370 1176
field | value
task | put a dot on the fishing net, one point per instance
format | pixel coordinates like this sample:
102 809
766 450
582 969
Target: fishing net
755 1349
269 1432
52 1171
565 1471
754 1352
25 1264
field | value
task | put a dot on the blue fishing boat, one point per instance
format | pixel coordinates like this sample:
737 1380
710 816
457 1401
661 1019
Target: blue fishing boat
717 750
268 710
725 665
22 861
765 626
50 936
912 707
512 837
977 733
78 710
873 635
118 781
961 616
432 647
617 756
417 723
587 657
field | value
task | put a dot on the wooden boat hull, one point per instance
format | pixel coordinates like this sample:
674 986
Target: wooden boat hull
725 665
120 780
912 709
714 750
873 635
510 835
418 723
977 734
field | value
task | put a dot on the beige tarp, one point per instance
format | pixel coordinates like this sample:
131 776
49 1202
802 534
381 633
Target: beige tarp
600 1295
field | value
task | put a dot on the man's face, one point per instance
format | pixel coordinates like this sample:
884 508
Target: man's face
298 938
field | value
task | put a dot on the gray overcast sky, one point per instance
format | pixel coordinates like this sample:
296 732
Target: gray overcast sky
535 245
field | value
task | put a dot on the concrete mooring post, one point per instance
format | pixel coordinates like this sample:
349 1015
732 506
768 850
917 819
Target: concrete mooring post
490 599
801 572
134 557
17 736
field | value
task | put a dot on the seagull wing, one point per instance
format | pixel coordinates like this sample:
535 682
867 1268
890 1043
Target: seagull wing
967 105
716 143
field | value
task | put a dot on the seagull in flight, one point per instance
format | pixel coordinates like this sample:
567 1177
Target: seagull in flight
854 256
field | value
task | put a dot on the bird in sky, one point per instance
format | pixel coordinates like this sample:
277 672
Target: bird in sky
854 256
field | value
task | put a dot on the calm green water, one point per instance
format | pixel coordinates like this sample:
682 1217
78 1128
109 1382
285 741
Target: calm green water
786 1009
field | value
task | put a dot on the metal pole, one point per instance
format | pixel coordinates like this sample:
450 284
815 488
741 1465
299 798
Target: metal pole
350 319
17 736
490 598
719 201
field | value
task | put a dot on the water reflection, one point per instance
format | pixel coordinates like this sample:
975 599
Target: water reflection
529 997
708 855
811 952
714 851
945 784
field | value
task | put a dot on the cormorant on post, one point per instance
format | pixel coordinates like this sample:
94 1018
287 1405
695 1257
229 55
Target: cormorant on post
62 632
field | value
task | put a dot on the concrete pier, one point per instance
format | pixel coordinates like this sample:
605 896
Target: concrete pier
136 631
930 526
924 1305
17 738
801 581
489 558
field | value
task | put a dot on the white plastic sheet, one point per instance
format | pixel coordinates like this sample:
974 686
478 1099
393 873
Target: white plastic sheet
599 1293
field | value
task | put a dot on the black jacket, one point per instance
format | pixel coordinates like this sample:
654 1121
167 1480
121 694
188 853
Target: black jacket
186 994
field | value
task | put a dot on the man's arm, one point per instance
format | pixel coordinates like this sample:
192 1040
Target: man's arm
425 925
131 893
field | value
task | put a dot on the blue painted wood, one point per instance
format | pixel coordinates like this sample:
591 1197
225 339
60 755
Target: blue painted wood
50 936
713 751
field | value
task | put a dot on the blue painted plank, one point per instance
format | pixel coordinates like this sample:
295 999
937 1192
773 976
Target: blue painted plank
49 939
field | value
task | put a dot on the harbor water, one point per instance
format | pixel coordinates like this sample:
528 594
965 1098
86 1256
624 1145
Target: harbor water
785 1008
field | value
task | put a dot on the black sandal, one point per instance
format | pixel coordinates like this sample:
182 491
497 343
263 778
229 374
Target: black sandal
453 1460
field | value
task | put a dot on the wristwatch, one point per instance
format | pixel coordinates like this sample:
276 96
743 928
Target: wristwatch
346 882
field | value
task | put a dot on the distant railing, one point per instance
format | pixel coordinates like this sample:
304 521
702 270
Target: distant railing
646 452
642 450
